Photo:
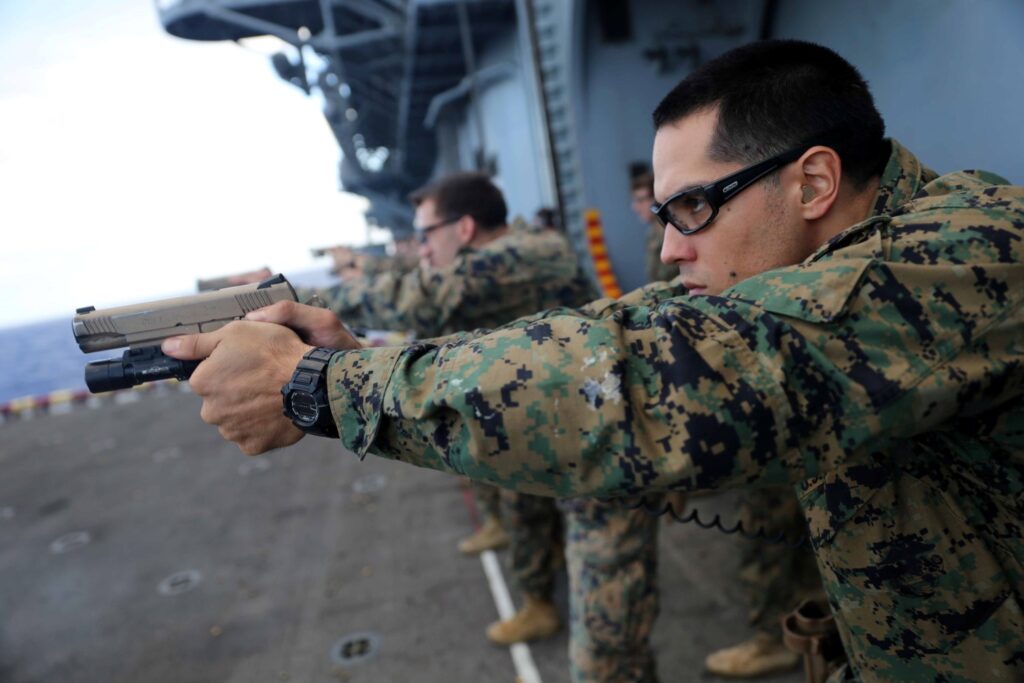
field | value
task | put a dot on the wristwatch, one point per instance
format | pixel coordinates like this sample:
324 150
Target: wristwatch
305 396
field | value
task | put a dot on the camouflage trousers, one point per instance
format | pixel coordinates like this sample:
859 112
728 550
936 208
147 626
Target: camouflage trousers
775 577
534 525
488 499
612 560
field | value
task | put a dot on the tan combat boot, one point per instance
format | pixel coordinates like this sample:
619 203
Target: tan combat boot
537 619
763 654
490 536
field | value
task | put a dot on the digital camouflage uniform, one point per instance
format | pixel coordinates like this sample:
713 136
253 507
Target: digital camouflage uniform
520 273
882 376
535 527
612 558
525 271
488 500
397 264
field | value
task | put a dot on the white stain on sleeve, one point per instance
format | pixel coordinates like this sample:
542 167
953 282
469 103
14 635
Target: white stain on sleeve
608 389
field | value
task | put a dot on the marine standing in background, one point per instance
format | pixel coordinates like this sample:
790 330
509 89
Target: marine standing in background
475 272
641 197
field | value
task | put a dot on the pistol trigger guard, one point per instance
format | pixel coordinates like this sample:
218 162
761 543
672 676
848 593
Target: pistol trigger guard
316 301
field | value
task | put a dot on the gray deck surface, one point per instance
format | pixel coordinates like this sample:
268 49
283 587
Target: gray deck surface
291 557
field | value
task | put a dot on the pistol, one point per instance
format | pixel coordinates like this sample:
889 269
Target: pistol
141 327
233 280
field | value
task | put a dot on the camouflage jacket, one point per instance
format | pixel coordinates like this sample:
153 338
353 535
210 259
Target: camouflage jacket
375 266
524 271
883 377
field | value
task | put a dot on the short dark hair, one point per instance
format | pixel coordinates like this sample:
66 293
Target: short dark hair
465 194
642 181
774 95
547 217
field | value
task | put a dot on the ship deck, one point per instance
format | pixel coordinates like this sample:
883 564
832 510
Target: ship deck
139 546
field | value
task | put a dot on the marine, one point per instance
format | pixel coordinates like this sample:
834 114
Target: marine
477 271
471 278
853 328
641 196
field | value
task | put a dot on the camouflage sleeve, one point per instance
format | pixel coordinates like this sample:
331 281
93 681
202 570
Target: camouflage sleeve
389 301
375 266
464 295
649 295
644 399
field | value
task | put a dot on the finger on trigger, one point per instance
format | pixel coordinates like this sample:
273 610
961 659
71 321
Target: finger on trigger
190 346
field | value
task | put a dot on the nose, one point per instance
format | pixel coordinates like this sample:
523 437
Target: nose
677 247
423 250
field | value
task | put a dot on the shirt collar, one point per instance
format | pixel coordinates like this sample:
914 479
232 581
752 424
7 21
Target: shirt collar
902 179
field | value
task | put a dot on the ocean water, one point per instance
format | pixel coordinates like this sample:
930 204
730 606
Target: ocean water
42 357
39 358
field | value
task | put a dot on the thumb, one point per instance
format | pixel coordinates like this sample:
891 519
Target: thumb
192 346
281 313
304 319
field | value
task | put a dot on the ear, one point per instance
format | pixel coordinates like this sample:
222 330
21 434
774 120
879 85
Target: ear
466 230
816 185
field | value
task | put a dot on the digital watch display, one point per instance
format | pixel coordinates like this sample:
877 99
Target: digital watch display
305 397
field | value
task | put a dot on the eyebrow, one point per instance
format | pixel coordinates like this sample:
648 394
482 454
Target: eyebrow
687 188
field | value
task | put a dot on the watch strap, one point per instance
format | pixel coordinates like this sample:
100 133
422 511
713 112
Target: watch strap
310 377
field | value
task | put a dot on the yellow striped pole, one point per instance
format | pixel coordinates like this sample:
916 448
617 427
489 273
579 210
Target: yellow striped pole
599 254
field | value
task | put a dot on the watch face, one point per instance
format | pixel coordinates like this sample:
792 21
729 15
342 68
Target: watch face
304 408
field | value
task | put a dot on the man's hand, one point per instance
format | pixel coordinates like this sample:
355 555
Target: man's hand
240 380
316 326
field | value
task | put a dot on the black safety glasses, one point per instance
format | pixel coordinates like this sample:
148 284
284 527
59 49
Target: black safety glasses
693 209
421 233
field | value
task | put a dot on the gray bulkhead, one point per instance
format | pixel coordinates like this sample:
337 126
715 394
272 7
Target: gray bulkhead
945 76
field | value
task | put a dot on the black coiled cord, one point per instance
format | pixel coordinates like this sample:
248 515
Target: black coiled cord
760 536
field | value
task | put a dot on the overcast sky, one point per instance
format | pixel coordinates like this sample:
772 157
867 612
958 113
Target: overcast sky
133 163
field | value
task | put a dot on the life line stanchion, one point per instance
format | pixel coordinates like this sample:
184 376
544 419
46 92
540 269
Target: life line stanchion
599 254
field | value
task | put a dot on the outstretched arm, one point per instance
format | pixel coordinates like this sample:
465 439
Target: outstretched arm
646 399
